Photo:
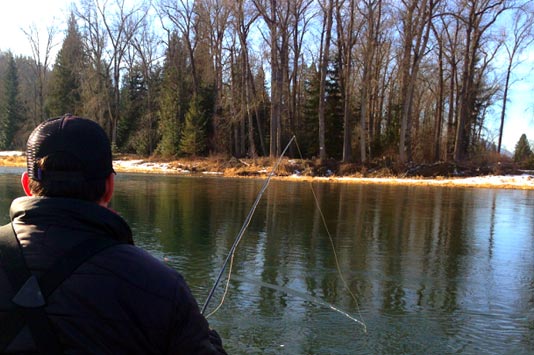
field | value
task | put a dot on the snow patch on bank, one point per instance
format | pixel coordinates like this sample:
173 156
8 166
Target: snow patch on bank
524 181
12 153
140 165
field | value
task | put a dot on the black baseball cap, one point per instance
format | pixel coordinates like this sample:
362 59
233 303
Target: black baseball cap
75 137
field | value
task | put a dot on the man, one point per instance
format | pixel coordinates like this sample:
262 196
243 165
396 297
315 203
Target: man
71 280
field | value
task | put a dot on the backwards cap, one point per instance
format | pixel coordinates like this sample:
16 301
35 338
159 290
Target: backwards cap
80 138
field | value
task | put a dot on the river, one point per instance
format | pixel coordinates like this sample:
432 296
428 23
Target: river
433 270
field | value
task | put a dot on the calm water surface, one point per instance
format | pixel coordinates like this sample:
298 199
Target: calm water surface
435 270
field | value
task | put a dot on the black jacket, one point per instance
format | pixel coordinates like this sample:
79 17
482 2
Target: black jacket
121 301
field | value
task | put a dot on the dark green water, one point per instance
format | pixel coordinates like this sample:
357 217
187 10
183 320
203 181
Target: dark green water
435 270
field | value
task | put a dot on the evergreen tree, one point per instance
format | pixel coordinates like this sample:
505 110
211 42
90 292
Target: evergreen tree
522 151
65 91
307 132
206 102
174 97
10 108
334 113
193 140
132 136
308 129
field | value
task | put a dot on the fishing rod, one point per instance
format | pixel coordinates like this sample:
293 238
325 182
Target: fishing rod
245 226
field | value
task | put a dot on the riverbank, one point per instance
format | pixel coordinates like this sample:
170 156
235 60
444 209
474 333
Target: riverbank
442 174
523 181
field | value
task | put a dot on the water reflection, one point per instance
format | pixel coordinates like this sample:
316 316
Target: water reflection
435 270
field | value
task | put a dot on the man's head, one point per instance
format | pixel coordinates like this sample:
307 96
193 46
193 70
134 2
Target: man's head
69 157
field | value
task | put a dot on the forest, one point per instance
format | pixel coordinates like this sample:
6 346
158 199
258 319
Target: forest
403 81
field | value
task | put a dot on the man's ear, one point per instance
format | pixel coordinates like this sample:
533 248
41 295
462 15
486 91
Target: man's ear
110 186
25 181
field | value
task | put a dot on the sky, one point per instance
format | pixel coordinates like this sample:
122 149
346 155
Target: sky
23 14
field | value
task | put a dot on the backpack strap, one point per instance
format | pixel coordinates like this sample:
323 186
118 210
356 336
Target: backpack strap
31 293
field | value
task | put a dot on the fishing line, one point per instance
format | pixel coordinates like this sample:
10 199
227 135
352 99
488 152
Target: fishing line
338 266
240 235
305 296
231 254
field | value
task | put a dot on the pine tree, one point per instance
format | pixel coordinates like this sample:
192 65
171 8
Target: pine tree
308 129
307 133
65 91
334 113
132 136
522 151
193 140
10 108
173 98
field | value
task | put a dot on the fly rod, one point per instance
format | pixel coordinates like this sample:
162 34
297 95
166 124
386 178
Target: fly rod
245 225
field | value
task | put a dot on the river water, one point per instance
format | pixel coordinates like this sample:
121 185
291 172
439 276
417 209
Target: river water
433 270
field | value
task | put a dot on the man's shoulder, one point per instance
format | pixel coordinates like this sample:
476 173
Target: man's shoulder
137 255
133 265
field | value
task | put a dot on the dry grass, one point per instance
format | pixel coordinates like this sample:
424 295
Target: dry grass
19 161
312 170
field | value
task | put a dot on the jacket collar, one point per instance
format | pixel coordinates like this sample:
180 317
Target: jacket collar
71 213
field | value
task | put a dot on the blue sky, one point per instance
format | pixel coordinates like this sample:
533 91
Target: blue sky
43 14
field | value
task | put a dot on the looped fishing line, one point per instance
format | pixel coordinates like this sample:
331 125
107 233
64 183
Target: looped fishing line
231 254
338 267
240 235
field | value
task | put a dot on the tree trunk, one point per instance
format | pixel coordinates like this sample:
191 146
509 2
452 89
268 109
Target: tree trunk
275 83
325 52
416 34
439 111
348 44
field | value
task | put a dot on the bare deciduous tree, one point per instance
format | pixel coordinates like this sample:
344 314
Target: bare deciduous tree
243 20
416 25
183 17
146 46
477 17
120 26
276 15
109 27
521 36
327 8
41 61
345 19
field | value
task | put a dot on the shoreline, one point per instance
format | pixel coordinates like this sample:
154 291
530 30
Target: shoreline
220 168
516 182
